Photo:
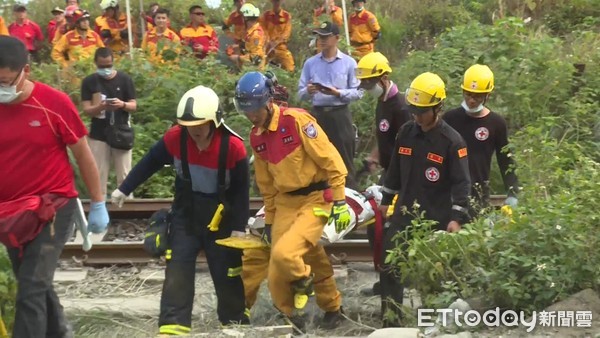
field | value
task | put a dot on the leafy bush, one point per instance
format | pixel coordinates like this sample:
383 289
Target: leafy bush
8 289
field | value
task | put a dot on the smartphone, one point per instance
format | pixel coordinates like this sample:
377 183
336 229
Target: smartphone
320 86
111 100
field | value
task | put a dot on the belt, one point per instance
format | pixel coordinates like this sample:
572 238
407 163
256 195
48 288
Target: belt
330 108
310 188
352 43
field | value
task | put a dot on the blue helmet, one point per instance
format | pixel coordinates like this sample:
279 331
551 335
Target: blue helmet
252 92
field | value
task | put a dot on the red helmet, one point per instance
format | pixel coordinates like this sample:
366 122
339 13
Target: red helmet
70 10
79 14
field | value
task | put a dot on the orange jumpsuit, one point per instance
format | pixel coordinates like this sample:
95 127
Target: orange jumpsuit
364 29
293 153
3 27
75 46
278 28
116 43
335 16
203 35
254 41
239 28
152 42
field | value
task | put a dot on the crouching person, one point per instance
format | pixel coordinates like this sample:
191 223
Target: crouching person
212 172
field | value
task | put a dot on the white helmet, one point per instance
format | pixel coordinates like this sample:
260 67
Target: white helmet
198 106
248 10
104 4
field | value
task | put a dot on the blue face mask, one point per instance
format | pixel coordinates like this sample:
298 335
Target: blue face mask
104 72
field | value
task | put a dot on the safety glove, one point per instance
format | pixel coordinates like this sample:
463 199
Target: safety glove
340 214
97 217
266 235
118 198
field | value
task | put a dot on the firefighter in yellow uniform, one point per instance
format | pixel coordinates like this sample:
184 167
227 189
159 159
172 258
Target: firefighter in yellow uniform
364 30
3 28
277 24
79 43
298 172
236 19
161 37
329 9
113 27
252 50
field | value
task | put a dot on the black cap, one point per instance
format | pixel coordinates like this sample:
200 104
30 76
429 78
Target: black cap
19 8
327 28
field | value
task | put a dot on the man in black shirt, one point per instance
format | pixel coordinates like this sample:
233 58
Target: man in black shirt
108 96
485 132
391 113
429 167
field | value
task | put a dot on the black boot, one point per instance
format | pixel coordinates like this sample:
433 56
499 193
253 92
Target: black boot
374 291
332 319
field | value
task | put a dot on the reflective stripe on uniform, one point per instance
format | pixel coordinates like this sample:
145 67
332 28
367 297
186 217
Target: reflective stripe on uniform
234 272
389 191
459 208
178 330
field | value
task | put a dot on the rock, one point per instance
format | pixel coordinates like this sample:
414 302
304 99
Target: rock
70 276
393 332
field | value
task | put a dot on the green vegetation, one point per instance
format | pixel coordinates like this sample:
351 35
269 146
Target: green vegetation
549 249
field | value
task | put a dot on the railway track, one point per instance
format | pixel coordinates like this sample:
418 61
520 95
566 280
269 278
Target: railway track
355 248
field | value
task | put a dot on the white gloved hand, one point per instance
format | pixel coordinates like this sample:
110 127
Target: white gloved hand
118 198
238 234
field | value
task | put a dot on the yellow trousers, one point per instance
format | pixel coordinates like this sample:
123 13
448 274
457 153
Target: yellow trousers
281 55
362 50
296 255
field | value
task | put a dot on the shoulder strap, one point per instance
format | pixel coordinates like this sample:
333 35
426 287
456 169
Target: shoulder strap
224 149
183 149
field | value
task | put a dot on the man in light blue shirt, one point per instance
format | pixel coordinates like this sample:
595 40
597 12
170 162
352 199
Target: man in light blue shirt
328 80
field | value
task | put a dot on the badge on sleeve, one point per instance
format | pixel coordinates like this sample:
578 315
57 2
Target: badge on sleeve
432 174
310 130
462 152
384 125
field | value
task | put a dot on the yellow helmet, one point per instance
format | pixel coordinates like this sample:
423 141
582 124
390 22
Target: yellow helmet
248 10
478 79
426 90
371 65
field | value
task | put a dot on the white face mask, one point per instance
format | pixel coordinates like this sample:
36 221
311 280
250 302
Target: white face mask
9 94
472 111
376 91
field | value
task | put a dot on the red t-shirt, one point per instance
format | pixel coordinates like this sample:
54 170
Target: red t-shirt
33 144
28 32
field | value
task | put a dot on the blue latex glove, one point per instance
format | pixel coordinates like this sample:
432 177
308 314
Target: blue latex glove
98 217
511 201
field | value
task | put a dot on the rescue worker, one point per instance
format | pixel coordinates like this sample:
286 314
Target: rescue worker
235 19
39 124
3 27
485 132
199 35
429 166
333 12
329 81
112 27
160 36
77 44
56 24
252 49
364 29
277 24
201 128
69 24
373 71
296 169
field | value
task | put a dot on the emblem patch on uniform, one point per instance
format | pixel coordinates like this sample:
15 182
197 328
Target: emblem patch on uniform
288 139
405 151
261 147
482 133
384 125
462 152
432 174
310 130
474 85
435 158
324 25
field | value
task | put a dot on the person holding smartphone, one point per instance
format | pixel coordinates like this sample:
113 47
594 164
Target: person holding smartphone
108 96
328 80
